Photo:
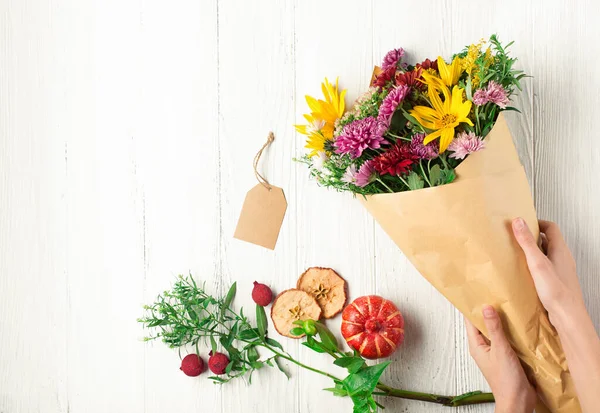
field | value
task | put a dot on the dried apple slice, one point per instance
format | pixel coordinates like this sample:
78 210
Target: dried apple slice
328 288
291 305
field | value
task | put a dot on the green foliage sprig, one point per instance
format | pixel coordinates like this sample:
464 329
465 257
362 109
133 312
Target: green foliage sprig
188 316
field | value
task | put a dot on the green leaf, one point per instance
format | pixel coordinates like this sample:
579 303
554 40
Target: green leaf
297 331
469 89
257 364
274 343
249 334
352 364
217 379
213 344
230 294
435 175
328 340
337 391
261 321
280 366
226 342
228 300
229 367
448 176
314 345
365 380
415 181
252 354
411 118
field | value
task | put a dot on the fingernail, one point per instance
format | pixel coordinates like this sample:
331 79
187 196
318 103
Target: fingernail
519 223
488 312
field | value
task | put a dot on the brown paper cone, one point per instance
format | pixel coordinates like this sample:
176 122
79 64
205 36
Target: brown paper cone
459 237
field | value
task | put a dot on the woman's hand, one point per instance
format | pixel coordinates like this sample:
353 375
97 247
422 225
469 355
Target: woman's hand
554 274
500 365
555 279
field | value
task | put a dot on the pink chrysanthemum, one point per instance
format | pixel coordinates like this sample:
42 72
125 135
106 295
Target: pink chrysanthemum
392 58
359 135
427 152
464 144
366 174
391 103
494 92
350 175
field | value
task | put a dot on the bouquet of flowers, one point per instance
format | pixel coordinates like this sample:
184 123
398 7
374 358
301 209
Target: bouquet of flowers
430 153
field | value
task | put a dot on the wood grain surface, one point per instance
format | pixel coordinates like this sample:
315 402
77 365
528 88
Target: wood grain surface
127 132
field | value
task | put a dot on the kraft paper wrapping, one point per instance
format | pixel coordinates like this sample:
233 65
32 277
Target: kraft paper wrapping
459 238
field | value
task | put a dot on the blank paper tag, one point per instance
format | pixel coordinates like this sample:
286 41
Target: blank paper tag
261 216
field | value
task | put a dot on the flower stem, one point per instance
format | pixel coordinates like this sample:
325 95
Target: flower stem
462 400
404 181
399 137
424 174
383 183
296 362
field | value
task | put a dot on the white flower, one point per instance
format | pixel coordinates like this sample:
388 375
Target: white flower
315 126
350 175
319 161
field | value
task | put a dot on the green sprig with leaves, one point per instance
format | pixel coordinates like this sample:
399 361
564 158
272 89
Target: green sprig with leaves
187 317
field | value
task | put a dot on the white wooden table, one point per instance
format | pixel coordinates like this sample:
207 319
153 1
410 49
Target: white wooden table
127 131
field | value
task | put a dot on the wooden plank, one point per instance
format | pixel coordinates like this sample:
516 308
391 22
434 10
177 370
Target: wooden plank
256 78
104 228
177 146
566 150
333 230
33 296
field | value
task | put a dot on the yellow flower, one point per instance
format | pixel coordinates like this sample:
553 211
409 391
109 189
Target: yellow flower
316 143
444 116
450 74
323 115
473 52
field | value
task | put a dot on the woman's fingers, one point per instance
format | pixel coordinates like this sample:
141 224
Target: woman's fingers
494 327
525 238
536 260
477 343
553 235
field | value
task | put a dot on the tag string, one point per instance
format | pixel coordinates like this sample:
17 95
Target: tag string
261 179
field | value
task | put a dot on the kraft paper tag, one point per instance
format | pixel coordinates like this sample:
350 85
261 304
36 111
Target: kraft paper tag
262 215
376 72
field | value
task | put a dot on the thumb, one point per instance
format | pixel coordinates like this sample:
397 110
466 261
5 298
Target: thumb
493 324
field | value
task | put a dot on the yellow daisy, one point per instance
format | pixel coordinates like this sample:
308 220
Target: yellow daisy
449 74
444 116
322 118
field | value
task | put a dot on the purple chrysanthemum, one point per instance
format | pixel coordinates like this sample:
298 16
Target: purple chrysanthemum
391 103
494 92
392 58
464 144
359 135
366 174
350 175
427 152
